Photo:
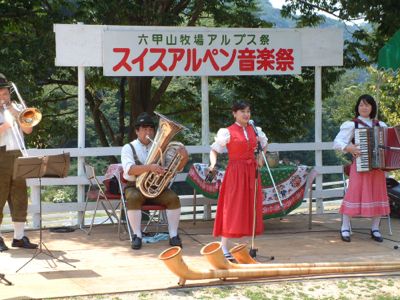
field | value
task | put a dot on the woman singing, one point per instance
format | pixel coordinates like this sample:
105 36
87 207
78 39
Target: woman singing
235 210
366 195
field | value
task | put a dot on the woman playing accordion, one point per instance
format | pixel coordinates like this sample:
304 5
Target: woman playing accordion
366 195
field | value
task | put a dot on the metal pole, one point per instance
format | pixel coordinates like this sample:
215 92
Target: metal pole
81 134
318 134
205 117
205 132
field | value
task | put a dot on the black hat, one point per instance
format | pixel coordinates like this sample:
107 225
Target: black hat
3 81
144 120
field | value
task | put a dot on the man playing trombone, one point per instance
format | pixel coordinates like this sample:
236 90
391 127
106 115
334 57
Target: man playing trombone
13 191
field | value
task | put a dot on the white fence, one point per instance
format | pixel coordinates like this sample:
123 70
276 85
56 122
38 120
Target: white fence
319 192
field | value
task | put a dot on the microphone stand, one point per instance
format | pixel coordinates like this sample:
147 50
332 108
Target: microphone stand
278 195
260 150
253 250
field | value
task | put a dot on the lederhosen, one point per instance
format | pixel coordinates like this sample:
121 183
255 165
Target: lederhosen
135 198
12 191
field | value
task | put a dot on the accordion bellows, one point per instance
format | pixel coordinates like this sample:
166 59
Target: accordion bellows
380 148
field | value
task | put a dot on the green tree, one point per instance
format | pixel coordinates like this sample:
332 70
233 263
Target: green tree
367 40
281 105
28 57
339 107
387 87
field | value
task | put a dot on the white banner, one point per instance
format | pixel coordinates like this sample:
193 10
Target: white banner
194 51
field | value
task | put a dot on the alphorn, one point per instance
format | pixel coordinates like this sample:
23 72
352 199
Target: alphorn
172 258
213 253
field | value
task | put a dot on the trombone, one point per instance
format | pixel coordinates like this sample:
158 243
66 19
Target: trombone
28 117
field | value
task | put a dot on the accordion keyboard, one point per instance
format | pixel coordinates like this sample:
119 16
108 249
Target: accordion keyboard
362 138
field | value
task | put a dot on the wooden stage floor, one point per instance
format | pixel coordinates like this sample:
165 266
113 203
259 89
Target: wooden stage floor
104 264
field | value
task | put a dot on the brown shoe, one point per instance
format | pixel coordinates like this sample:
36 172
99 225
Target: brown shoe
3 246
24 243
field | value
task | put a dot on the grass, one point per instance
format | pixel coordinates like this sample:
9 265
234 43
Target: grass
377 288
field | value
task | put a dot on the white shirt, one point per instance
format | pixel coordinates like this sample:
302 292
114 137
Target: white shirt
127 159
346 133
223 137
7 137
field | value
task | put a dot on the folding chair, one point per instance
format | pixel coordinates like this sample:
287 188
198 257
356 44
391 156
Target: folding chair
346 172
156 217
156 214
97 193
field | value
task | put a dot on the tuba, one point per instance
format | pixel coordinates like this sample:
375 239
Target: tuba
164 153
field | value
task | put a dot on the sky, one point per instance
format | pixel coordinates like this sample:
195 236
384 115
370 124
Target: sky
280 3
277 3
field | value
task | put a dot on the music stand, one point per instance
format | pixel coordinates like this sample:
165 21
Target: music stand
50 166
3 278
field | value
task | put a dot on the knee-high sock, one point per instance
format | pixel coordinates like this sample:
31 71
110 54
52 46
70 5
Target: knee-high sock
19 230
375 224
345 224
173 216
224 243
135 220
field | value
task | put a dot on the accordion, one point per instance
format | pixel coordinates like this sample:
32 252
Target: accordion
380 148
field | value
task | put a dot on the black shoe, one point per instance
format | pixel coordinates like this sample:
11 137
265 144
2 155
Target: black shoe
24 243
229 257
136 243
175 241
3 246
375 237
345 238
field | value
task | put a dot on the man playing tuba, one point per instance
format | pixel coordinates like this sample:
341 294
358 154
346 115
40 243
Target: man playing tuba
133 157
12 190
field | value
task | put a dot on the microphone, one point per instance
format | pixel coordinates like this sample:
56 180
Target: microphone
251 123
259 148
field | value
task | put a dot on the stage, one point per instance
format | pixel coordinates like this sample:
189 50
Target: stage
104 264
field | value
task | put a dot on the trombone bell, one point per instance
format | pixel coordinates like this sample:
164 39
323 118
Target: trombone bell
29 117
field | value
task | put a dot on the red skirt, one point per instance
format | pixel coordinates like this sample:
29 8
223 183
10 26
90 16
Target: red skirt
235 209
366 195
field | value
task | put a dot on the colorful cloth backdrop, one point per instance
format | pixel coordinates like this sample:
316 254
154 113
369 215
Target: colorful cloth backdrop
291 183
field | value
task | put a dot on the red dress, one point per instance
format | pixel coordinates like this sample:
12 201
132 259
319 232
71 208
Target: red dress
235 207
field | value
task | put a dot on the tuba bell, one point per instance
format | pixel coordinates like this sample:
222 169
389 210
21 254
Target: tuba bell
164 153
